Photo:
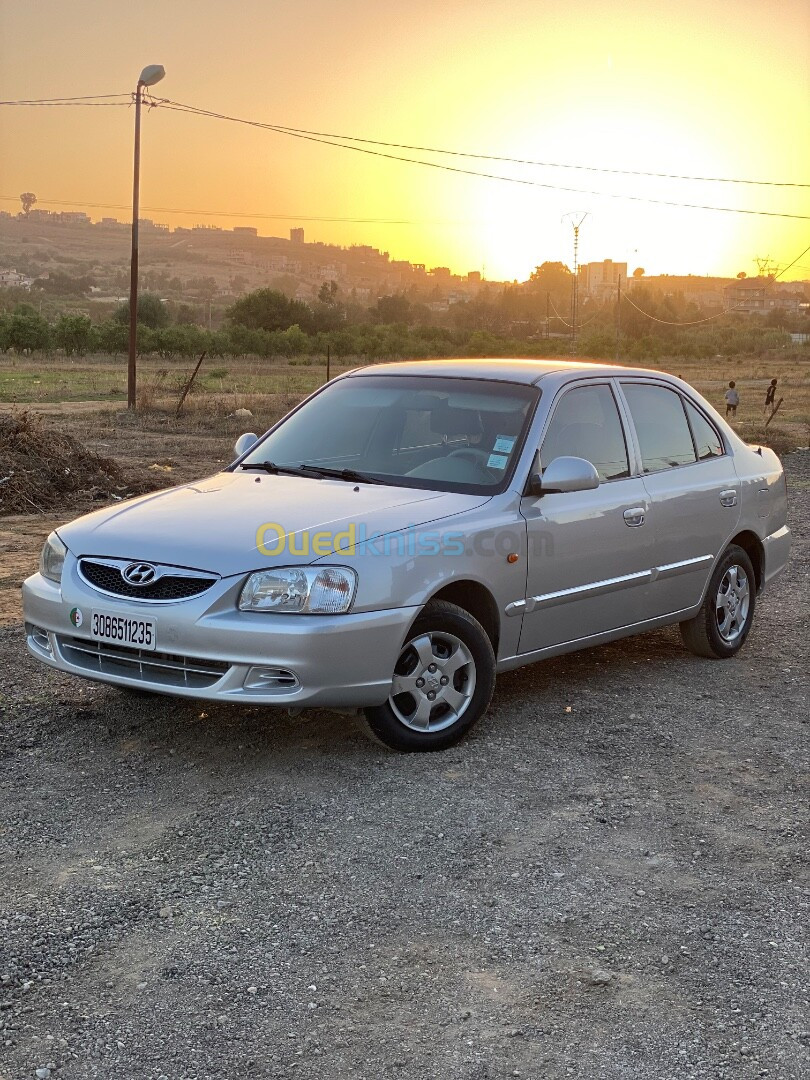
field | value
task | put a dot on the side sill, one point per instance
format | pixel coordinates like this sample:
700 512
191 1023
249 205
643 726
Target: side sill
509 663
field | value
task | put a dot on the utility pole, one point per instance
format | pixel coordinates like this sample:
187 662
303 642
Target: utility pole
618 316
548 315
149 76
576 218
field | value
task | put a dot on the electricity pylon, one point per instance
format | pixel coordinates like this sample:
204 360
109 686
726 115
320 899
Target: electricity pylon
576 217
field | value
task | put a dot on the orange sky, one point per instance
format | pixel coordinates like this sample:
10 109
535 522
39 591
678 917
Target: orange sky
716 88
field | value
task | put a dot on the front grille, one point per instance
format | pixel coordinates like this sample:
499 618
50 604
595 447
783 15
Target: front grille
172 583
165 669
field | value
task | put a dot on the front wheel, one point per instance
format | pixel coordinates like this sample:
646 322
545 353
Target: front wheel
442 682
720 628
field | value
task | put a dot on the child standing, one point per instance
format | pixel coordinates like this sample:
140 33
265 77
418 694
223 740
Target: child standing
732 399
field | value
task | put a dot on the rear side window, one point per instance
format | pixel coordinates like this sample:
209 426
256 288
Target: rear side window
707 442
586 424
660 423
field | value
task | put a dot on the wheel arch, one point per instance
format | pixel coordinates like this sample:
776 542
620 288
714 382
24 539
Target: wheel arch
476 600
752 546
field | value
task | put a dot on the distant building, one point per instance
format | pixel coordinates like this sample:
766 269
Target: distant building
600 280
71 217
10 279
245 230
297 236
474 277
761 295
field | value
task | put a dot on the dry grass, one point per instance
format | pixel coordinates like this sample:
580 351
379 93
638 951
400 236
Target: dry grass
43 467
791 425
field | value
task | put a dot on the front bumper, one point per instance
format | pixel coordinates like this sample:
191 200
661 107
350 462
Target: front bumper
207 648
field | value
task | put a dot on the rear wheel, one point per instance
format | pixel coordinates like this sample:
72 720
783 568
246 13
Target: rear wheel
442 682
720 628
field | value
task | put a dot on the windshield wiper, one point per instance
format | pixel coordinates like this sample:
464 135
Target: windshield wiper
271 467
350 475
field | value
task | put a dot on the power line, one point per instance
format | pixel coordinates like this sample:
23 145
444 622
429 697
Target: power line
697 322
457 153
86 99
238 214
546 164
331 140
189 109
496 157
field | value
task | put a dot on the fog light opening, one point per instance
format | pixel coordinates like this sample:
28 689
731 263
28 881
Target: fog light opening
41 638
268 679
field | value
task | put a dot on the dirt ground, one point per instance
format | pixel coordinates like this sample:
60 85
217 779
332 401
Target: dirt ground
608 879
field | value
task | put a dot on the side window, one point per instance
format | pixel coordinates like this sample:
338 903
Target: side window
586 424
660 423
707 441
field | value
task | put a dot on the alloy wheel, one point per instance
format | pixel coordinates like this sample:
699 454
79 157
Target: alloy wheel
733 603
434 682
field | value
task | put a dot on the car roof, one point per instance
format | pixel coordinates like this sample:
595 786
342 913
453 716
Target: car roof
501 369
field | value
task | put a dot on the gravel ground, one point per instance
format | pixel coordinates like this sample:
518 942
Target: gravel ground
608 879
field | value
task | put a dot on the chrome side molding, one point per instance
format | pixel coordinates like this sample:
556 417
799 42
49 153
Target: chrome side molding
598 588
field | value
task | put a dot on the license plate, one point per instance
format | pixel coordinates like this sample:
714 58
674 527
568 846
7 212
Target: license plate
123 630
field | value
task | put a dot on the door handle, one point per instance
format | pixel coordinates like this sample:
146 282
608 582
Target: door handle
634 517
728 497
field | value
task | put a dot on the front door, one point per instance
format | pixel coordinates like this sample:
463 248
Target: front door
590 552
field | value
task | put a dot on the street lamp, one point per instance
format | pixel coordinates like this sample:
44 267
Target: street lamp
149 76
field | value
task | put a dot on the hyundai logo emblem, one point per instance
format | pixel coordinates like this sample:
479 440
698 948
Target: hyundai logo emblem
139 573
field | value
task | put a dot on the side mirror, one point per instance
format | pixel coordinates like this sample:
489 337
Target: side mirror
565 474
244 443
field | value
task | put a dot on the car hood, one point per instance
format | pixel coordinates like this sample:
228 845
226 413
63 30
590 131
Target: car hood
214 524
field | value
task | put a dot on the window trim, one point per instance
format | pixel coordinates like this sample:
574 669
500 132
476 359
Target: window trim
688 401
629 445
534 397
663 385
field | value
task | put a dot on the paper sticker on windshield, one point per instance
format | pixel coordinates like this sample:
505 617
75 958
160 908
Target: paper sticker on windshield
504 444
497 461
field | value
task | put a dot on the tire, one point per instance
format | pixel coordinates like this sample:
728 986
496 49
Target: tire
448 640
720 628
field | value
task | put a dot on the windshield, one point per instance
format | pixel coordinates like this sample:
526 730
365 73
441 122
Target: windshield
447 434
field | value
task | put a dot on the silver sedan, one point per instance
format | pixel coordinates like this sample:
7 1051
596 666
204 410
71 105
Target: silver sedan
412 529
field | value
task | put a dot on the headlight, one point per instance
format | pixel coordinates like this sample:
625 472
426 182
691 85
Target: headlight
328 590
52 558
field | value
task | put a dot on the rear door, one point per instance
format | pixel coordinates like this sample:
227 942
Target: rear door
691 482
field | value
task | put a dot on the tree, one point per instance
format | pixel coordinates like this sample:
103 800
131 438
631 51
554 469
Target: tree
553 277
187 315
26 331
152 312
266 309
112 336
639 272
394 309
204 287
28 198
72 333
328 292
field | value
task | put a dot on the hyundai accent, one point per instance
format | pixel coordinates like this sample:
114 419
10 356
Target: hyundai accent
414 528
